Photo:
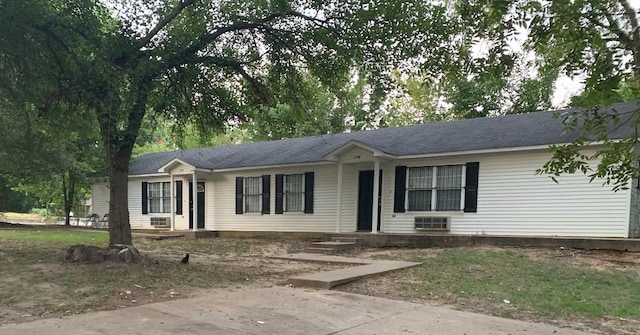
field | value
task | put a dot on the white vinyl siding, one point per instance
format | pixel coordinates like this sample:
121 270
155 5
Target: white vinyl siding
223 217
252 194
293 193
514 200
100 199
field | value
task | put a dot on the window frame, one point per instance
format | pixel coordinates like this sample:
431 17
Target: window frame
434 189
286 194
164 198
257 196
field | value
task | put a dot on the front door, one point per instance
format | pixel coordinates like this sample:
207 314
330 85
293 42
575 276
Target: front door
200 204
365 200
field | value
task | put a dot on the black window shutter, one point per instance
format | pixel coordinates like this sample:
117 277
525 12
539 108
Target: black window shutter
239 193
400 189
178 196
279 189
266 193
308 192
471 189
145 198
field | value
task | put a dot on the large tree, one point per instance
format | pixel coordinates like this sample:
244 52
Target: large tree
200 62
597 41
600 40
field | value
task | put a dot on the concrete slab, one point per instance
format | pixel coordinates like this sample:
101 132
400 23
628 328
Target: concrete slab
308 257
158 236
334 243
447 240
329 279
284 311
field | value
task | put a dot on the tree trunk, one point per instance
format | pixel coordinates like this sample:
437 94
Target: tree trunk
70 196
64 200
119 227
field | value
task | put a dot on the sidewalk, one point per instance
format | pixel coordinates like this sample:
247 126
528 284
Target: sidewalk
285 311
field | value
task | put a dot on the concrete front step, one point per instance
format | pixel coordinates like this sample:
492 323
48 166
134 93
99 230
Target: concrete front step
330 279
322 251
355 240
329 247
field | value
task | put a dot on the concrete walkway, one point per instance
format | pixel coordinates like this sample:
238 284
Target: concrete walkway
283 311
326 280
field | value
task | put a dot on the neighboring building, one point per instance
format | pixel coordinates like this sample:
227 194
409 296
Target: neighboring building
463 177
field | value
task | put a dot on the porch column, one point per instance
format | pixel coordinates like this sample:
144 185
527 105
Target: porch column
339 199
173 202
376 191
194 203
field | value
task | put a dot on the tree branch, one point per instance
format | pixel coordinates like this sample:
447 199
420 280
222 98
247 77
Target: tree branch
166 20
630 15
258 88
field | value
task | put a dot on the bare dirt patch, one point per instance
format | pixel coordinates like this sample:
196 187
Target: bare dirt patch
38 282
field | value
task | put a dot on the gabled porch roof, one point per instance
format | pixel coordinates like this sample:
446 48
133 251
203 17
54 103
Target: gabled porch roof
353 144
180 166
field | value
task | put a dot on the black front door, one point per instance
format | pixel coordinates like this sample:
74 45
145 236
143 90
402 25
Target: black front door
200 205
365 200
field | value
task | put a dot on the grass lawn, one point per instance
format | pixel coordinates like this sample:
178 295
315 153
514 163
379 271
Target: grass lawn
545 287
531 284
56 237
13 215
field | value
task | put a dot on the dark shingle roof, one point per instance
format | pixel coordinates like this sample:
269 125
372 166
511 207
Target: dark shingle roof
512 131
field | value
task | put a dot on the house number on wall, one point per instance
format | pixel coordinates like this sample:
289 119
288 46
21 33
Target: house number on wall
356 157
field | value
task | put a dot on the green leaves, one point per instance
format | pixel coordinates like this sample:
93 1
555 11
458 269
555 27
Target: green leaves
594 152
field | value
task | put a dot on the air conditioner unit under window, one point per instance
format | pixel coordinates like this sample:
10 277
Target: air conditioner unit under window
160 222
431 223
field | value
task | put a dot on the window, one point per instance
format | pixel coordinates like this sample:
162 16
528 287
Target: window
449 188
435 188
252 194
293 193
159 197
420 188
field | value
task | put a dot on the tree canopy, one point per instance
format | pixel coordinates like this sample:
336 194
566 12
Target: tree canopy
202 62
210 65
596 40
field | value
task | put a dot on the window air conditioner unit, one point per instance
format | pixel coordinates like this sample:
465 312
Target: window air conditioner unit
160 222
431 223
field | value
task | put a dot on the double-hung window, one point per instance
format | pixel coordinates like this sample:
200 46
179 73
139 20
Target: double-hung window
159 195
420 188
252 194
436 188
293 193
